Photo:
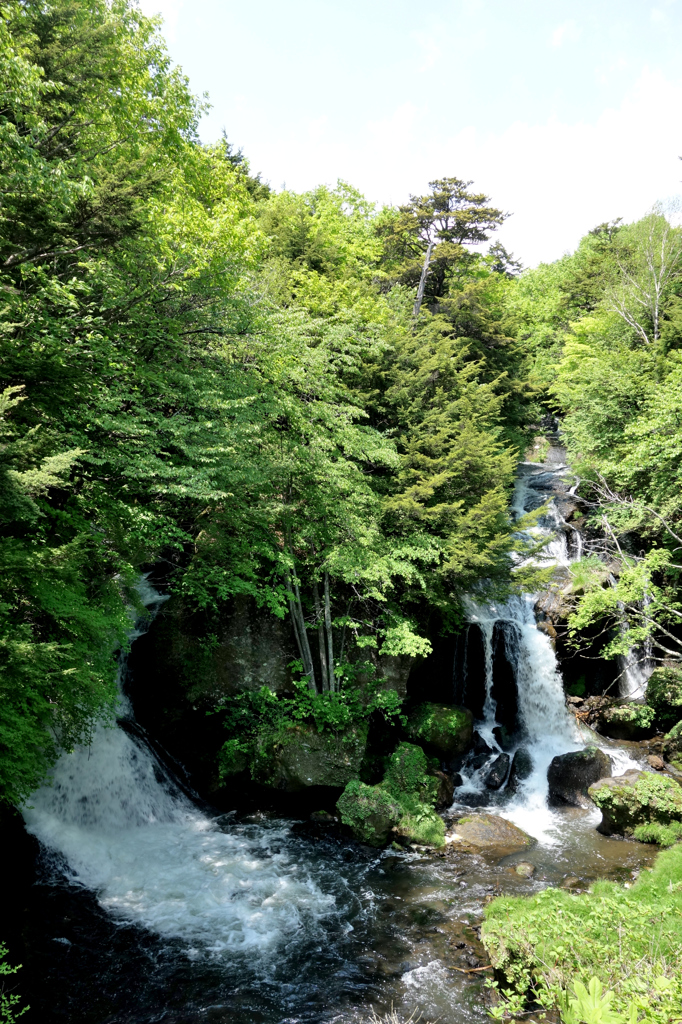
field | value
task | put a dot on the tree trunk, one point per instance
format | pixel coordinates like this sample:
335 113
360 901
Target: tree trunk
320 638
300 632
328 629
422 280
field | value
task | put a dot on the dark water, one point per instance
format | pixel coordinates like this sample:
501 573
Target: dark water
393 930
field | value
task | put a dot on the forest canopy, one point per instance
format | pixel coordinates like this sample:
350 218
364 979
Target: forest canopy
202 372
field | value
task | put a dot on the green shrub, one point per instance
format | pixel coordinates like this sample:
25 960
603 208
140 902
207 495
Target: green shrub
630 940
664 695
9 1011
655 832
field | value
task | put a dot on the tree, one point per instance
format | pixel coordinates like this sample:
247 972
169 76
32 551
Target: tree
428 235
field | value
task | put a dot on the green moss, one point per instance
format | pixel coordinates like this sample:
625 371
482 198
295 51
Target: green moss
577 689
370 811
445 729
640 715
664 695
637 798
407 772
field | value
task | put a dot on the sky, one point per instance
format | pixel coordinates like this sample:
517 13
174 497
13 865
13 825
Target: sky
565 114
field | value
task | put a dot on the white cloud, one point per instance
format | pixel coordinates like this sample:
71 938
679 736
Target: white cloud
566 33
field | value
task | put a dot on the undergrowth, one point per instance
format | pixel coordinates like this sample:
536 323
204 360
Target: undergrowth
610 956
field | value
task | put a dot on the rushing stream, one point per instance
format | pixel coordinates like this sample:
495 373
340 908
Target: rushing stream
149 908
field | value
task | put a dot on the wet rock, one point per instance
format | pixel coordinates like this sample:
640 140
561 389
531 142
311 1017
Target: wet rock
294 758
525 869
521 768
369 811
487 833
498 772
479 745
470 670
570 775
656 762
457 779
635 801
503 737
672 747
505 644
443 729
446 789
478 761
571 882
323 818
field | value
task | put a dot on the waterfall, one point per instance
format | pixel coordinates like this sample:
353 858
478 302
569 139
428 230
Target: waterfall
115 821
542 724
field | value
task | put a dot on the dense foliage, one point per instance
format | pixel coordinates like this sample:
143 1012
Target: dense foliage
206 374
605 328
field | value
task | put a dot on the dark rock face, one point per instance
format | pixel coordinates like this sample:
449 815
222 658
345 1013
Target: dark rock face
469 672
298 757
521 768
480 746
446 789
457 780
504 690
570 776
479 760
498 772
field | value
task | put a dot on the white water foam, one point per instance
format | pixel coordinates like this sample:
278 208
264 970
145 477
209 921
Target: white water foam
549 728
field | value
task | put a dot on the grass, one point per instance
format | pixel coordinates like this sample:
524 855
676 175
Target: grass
617 950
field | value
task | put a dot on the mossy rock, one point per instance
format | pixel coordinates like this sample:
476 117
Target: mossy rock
444 729
408 772
672 747
627 721
664 695
300 756
369 811
636 799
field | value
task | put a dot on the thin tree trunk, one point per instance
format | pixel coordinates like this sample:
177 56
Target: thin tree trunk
328 628
320 638
300 632
343 632
422 280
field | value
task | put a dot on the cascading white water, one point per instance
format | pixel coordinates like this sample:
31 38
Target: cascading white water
121 827
548 728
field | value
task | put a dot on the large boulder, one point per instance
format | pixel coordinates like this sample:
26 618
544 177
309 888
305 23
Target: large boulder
570 776
631 803
487 833
672 747
410 783
521 769
299 756
664 695
369 811
630 721
445 730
